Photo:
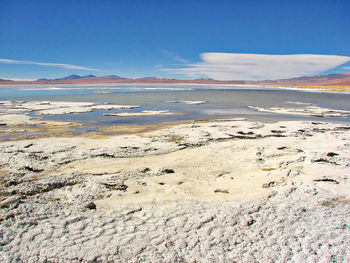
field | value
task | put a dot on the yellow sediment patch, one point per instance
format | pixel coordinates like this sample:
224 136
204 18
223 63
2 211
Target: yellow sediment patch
113 130
333 88
268 169
70 129
45 129
3 173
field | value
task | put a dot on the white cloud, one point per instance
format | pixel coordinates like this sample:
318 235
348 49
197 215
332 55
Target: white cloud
17 79
175 57
60 65
234 66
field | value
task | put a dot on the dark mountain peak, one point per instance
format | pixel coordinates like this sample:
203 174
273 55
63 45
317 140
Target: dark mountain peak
90 76
73 76
204 79
112 77
70 77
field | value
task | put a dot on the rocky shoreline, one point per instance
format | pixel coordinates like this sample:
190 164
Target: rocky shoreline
221 191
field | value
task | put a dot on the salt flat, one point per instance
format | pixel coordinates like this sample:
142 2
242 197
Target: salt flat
219 191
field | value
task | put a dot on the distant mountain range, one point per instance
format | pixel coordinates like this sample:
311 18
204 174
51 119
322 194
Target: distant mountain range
341 79
330 79
77 77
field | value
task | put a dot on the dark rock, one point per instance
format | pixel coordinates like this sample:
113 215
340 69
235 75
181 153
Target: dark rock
134 211
282 148
91 206
327 180
342 128
146 170
12 182
245 133
104 155
250 222
270 184
168 244
32 169
323 160
116 186
221 191
320 130
168 171
332 154
276 131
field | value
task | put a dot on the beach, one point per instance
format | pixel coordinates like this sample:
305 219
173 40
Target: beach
227 190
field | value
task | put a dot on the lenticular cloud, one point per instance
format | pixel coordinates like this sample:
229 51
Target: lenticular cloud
234 66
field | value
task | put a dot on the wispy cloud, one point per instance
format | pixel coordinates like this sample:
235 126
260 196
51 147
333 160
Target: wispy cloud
175 57
234 66
17 79
60 65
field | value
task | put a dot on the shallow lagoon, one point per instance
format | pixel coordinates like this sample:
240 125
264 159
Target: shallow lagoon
221 101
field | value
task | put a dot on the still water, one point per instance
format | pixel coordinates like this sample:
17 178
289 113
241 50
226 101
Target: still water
221 101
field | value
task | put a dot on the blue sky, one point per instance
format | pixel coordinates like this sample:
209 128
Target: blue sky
180 39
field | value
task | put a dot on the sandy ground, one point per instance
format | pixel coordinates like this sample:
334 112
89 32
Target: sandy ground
223 191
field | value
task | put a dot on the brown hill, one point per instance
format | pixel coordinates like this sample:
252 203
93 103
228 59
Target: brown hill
341 79
330 79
